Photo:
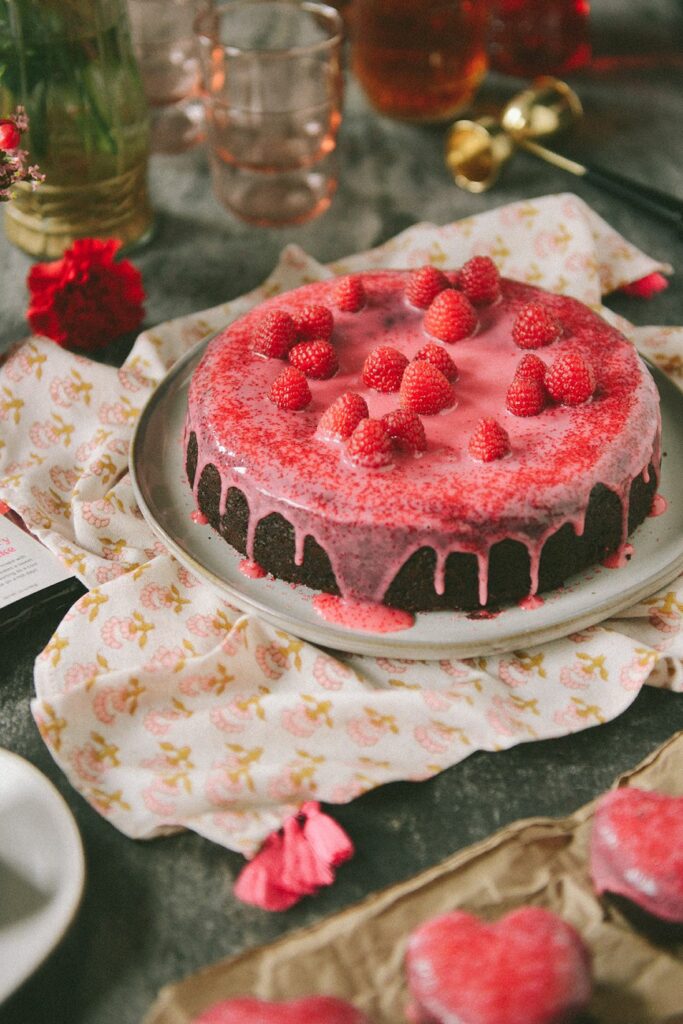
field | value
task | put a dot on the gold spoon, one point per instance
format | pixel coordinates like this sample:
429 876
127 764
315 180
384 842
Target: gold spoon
476 150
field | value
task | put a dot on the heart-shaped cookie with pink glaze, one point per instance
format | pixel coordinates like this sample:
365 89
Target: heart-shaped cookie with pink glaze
637 850
531 967
311 1010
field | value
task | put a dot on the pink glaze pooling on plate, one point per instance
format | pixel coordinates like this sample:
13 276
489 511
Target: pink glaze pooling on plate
198 517
530 603
367 616
252 570
619 558
659 505
443 499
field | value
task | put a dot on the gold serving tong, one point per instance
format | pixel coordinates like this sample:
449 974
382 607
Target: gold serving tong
477 150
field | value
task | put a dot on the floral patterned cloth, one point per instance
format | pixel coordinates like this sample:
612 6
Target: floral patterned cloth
167 708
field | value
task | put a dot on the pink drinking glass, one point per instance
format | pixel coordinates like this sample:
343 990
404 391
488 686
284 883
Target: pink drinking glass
166 49
272 89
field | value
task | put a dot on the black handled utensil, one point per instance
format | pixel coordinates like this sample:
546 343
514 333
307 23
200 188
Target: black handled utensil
651 200
476 150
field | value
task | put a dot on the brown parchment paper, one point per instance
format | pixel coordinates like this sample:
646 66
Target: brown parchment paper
357 954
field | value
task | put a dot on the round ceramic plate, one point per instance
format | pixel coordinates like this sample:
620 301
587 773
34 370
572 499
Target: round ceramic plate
41 870
167 503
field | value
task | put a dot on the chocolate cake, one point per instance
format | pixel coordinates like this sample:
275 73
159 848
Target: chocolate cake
511 490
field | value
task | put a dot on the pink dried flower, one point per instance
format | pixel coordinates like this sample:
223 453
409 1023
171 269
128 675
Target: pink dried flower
13 160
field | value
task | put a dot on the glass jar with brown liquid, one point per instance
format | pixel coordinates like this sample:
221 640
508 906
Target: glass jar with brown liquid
420 60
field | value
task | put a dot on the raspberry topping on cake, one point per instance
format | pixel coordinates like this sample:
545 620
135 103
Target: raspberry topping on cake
451 317
349 294
290 390
370 521
274 335
439 357
525 396
479 280
344 415
570 380
531 367
406 430
317 359
535 327
370 444
489 441
383 369
425 390
314 322
424 285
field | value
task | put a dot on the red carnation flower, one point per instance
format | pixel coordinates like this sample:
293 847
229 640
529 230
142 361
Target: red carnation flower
85 300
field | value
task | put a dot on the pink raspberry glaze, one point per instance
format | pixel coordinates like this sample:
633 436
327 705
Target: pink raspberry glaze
368 521
659 505
252 570
367 616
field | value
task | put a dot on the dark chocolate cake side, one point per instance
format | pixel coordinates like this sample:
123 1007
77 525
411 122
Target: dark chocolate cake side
564 553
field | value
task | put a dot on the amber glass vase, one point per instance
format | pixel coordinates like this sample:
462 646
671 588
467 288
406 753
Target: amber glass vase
70 63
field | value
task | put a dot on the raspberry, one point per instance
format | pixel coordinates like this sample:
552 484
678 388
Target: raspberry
570 380
383 369
424 285
489 441
532 368
425 390
479 280
349 294
314 322
525 397
535 326
406 430
274 335
439 357
370 444
343 416
450 317
317 359
290 390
